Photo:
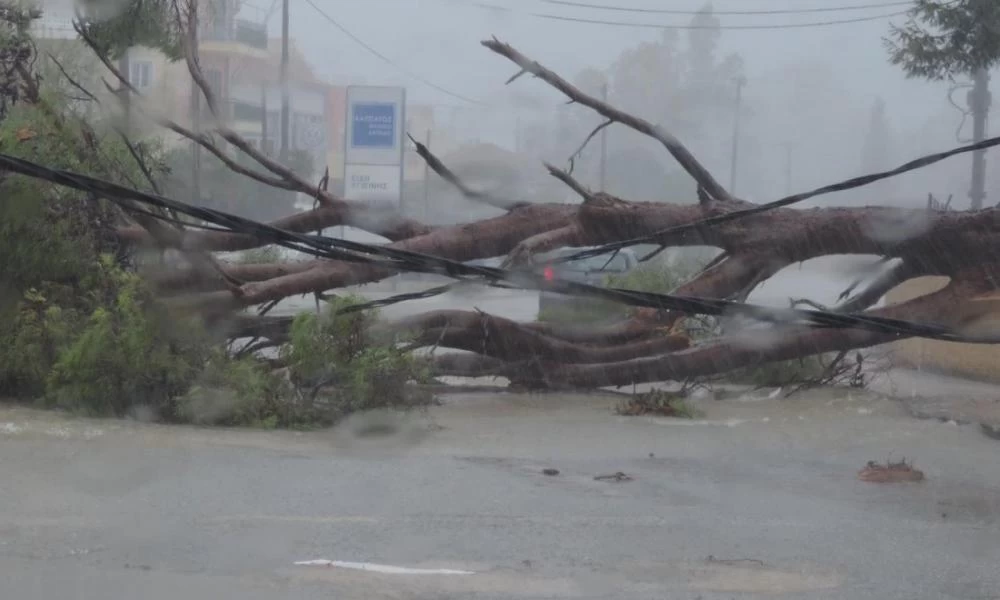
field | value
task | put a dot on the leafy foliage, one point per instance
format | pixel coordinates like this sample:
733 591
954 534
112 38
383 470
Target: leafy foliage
336 352
117 25
333 367
85 334
15 51
81 330
34 331
942 39
241 391
128 353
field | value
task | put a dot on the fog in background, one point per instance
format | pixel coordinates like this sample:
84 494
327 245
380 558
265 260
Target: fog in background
807 105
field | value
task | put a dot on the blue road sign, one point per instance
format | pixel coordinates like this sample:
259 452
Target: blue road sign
374 125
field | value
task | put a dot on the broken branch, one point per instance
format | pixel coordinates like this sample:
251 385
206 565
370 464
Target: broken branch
683 156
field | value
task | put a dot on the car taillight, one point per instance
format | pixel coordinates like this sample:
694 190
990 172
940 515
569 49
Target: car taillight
549 274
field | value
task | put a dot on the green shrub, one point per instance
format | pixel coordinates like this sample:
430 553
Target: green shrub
60 264
335 355
128 353
332 367
243 391
34 332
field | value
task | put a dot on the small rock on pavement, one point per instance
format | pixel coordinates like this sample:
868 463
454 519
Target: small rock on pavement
550 472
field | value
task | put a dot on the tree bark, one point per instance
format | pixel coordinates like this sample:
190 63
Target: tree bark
507 340
639 349
728 354
482 239
389 225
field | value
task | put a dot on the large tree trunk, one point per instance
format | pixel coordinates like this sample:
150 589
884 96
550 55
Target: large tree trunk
640 349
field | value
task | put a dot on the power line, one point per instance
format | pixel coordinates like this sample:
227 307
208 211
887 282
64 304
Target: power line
633 24
744 27
386 59
786 11
406 260
848 184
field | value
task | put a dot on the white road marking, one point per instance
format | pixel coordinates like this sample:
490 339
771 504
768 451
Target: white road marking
376 568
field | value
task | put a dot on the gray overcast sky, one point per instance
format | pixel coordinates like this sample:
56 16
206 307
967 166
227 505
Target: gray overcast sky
439 40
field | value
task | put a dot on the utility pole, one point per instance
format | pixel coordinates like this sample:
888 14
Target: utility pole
604 144
979 106
196 121
125 68
427 178
740 82
788 168
263 120
285 115
520 140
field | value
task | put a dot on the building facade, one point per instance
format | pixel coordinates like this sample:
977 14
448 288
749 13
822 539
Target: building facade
242 65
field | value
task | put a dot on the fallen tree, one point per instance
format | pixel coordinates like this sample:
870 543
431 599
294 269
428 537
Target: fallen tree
756 242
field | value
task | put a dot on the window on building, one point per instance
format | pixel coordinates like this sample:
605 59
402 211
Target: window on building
246 111
140 74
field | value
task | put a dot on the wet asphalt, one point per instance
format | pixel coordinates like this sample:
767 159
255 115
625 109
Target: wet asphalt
757 500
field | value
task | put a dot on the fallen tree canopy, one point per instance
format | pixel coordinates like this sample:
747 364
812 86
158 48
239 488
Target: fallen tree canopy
756 242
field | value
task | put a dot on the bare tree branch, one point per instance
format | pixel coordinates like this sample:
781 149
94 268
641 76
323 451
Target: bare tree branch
337 212
573 157
289 178
70 79
568 179
543 242
878 288
671 143
445 173
200 138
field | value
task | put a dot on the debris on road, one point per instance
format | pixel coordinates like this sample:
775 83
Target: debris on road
550 472
734 561
890 472
658 403
616 477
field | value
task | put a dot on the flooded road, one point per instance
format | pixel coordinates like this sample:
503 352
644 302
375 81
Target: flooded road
758 499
